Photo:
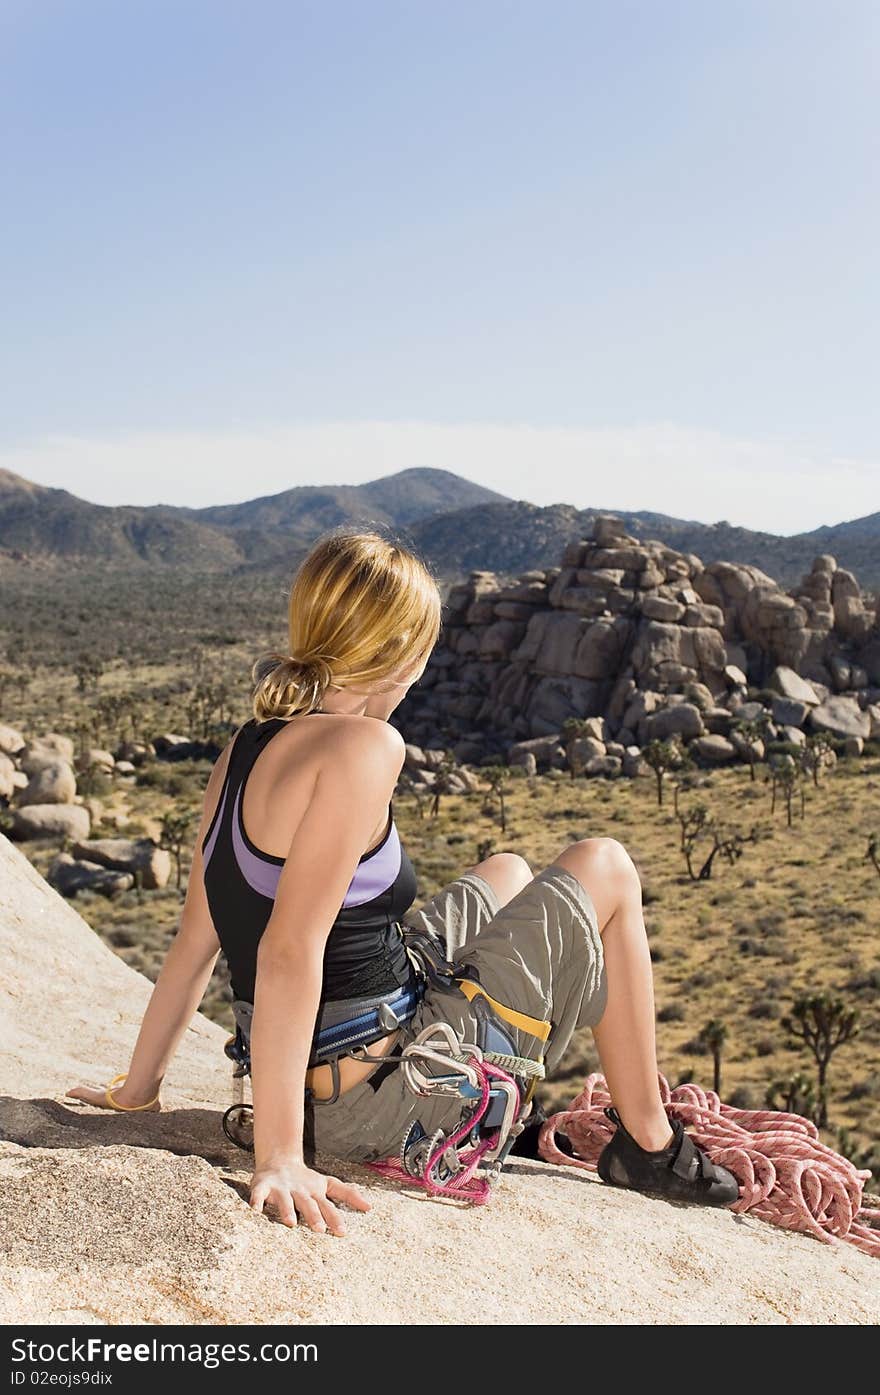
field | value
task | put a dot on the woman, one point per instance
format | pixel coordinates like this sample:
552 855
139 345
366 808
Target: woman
300 878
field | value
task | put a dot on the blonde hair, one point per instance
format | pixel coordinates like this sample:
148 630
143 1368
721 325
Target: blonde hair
361 608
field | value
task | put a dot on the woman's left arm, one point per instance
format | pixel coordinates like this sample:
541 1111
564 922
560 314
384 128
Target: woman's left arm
181 983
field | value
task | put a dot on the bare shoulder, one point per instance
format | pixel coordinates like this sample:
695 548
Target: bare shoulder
364 740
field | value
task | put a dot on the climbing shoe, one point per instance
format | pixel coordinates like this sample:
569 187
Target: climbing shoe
681 1171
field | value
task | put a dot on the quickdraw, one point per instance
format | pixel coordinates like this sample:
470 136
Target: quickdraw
445 1165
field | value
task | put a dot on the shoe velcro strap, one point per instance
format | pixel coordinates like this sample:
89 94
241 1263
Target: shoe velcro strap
691 1161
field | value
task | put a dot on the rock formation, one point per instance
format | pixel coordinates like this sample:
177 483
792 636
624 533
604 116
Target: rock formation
648 641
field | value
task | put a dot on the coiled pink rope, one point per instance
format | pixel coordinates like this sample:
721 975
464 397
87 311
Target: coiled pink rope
786 1175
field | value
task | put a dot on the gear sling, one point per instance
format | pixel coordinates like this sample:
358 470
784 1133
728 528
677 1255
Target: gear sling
494 1083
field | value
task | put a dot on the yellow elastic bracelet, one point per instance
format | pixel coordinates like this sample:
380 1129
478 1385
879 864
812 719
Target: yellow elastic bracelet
129 1108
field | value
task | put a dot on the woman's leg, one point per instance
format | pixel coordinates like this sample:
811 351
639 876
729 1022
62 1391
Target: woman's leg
506 873
625 1035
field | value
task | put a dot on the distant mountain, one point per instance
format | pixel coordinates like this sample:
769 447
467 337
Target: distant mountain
37 522
398 499
458 525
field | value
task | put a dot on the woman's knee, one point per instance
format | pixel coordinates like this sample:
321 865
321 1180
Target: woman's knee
507 872
605 867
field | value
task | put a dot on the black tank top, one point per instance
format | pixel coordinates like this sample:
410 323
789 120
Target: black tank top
364 952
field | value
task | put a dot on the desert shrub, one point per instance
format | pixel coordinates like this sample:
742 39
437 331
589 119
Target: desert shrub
743 1097
868 1088
672 1012
758 948
701 979
864 982
763 1008
124 936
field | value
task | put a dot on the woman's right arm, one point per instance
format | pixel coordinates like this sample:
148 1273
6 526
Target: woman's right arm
352 789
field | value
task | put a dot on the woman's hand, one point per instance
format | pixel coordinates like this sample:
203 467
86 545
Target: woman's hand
122 1094
292 1187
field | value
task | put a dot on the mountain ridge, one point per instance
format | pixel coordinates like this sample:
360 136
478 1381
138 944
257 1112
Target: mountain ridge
457 524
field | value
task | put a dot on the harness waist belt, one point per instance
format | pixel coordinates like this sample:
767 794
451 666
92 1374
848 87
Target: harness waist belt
348 1022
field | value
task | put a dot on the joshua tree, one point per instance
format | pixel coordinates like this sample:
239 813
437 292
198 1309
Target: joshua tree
7 683
818 753
796 1095
713 1037
407 785
574 729
663 757
693 822
823 1023
444 774
697 822
87 670
175 833
785 775
497 777
752 734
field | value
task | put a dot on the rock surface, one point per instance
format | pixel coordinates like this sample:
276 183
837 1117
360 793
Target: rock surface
115 1218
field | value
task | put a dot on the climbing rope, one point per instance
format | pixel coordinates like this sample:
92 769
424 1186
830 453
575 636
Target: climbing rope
787 1176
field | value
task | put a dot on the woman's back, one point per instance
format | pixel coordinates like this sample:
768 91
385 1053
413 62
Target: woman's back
267 794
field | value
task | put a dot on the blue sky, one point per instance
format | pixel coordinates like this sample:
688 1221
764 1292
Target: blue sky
617 255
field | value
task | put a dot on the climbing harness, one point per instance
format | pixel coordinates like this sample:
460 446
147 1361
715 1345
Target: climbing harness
493 1082
343 1026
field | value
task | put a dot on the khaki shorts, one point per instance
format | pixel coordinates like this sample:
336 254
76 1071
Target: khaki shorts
539 956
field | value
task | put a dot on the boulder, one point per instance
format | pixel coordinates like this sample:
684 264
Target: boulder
714 749
633 764
683 719
584 749
53 783
50 821
99 757
842 716
749 751
609 766
547 751
794 735
69 876
790 685
663 608
788 712
11 740
53 744
139 856
7 776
